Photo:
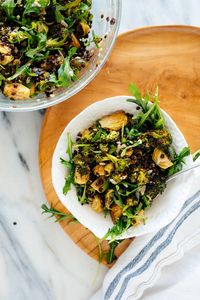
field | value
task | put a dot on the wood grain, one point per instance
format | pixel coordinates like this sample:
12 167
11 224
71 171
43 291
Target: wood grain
167 56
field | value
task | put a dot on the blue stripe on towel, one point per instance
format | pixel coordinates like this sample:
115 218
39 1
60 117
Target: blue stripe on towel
161 247
142 253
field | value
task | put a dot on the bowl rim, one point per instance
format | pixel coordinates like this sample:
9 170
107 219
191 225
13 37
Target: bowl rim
78 88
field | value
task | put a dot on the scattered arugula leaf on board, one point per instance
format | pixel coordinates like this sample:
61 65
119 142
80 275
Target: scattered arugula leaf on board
101 253
55 213
196 155
110 256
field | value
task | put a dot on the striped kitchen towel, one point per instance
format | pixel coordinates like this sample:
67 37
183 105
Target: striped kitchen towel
140 265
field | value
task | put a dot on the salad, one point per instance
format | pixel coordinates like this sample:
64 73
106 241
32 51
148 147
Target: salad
43 45
122 162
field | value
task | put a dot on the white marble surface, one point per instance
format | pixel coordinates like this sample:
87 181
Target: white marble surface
37 260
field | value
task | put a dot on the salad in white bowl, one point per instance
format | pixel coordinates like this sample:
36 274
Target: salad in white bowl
112 162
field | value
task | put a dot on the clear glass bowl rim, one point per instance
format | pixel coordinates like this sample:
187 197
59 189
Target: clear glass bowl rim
79 87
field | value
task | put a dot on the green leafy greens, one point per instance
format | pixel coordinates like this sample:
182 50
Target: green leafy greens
70 166
51 38
151 114
56 213
9 7
110 255
178 161
119 170
65 74
196 155
35 6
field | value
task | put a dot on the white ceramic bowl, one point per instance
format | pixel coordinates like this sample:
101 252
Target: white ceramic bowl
164 208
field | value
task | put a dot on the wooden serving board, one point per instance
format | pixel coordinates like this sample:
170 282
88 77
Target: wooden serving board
167 56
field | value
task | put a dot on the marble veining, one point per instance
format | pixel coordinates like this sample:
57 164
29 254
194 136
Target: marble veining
37 259
23 161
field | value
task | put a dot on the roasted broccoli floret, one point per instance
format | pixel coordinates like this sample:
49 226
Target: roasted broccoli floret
140 176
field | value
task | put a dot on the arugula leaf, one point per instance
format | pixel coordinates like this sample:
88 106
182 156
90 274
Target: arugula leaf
127 192
101 253
118 229
69 164
143 103
30 73
41 56
69 179
41 38
9 7
178 161
72 51
110 256
184 152
83 198
69 145
147 201
56 213
151 113
96 39
84 10
58 15
132 133
117 197
146 115
35 6
1 79
158 119
72 4
39 26
65 162
20 71
97 135
65 73
136 144
133 89
19 36
147 97
53 43
53 78
196 155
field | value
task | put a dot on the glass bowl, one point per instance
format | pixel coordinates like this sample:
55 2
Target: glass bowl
106 21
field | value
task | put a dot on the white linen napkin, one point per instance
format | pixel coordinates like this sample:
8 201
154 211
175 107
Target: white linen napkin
140 265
